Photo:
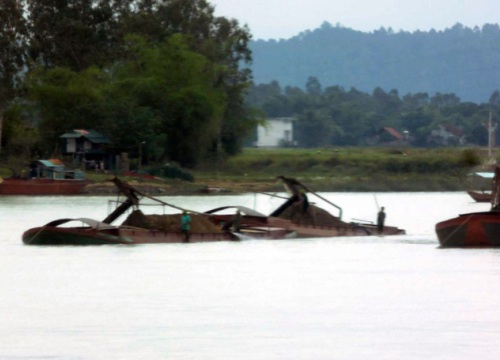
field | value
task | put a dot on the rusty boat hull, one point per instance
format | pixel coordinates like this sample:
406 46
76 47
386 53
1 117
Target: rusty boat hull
123 236
307 230
98 233
481 229
348 229
472 230
479 196
290 220
42 186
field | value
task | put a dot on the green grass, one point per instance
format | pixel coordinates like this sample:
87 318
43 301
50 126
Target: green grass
342 169
349 169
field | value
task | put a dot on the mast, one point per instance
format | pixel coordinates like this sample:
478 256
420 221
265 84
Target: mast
132 200
294 186
491 136
495 199
133 196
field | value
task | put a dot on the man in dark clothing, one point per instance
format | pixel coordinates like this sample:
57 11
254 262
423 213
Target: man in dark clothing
380 220
305 201
236 225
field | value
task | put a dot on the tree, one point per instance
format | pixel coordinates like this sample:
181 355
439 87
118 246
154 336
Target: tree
315 129
220 40
12 55
66 100
20 138
74 33
442 100
495 98
96 33
313 86
386 102
162 94
176 85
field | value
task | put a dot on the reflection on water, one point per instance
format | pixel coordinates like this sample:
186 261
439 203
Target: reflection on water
341 298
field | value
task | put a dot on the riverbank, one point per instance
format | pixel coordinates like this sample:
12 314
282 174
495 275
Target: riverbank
323 170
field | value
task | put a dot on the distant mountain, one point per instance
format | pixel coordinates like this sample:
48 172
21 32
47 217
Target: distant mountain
459 60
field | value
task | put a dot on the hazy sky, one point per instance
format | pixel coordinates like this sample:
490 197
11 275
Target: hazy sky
277 19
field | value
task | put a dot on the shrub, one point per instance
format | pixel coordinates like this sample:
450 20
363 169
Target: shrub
469 158
172 171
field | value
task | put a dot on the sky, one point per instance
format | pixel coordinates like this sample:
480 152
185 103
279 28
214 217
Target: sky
283 19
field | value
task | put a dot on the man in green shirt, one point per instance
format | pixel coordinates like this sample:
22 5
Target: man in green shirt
185 225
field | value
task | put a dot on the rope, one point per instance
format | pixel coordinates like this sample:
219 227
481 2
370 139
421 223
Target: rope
457 228
37 234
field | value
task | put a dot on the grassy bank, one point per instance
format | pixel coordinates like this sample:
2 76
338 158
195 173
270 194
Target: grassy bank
346 169
342 169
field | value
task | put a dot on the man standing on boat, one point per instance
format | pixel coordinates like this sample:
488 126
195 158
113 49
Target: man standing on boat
304 200
380 220
236 225
185 225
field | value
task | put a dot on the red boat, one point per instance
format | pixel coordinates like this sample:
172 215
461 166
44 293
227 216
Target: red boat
42 187
46 177
480 183
480 196
480 229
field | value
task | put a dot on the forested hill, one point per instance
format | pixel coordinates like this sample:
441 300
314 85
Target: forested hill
459 60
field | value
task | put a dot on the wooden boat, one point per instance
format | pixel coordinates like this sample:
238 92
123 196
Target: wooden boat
93 232
289 220
308 220
481 179
46 177
479 229
151 229
480 196
42 187
483 175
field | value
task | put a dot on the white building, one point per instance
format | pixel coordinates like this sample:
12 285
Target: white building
276 132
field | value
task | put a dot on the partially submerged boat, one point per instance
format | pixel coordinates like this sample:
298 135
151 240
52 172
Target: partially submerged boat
479 185
139 228
294 218
45 177
478 229
480 196
309 220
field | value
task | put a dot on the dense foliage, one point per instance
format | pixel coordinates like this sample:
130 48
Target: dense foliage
164 73
12 54
334 116
173 80
458 60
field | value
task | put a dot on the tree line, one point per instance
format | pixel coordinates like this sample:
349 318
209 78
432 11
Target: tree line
171 76
165 73
460 60
334 116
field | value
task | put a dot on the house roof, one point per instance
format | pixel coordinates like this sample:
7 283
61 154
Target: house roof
394 133
453 130
50 163
91 135
281 119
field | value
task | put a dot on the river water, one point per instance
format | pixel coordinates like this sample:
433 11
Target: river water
395 297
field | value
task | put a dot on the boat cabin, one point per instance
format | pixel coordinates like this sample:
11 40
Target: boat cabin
53 169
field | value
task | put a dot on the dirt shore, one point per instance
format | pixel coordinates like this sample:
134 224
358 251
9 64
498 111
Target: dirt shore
184 188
